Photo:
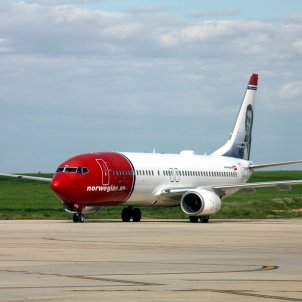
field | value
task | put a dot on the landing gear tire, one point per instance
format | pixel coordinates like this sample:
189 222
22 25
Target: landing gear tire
136 215
82 219
78 217
75 217
126 214
193 219
129 213
204 219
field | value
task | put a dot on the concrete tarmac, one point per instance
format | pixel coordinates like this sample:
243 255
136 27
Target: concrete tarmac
154 260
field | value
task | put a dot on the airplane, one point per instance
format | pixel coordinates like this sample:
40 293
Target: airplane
197 183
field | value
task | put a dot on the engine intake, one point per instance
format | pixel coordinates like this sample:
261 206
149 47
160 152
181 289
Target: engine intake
200 202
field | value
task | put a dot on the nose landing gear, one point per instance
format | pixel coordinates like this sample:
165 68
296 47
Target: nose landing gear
78 217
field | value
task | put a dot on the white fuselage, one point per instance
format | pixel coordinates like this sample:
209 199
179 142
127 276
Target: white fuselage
154 172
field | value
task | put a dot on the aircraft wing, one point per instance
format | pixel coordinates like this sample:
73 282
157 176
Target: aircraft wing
227 189
27 177
250 187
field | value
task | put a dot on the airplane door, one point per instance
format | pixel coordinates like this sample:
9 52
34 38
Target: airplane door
171 173
105 172
174 175
243 171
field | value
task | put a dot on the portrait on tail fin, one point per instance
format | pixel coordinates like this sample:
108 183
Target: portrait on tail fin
239 144
245 148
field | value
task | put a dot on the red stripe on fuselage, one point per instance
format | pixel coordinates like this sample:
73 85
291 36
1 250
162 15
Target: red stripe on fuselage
110 180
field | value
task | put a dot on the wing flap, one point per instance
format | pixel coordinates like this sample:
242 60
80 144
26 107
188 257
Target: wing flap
172 192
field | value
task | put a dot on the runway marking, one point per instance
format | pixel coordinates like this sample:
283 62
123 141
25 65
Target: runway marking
244 280
258 268
96 288
262 268
112 280
83 277
245 293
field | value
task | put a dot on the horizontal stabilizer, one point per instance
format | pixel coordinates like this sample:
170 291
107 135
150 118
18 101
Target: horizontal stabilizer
253 167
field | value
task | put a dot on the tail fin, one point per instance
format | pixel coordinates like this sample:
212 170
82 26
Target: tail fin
239 143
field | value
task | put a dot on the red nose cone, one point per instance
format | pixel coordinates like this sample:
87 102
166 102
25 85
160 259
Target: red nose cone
57 186
64 187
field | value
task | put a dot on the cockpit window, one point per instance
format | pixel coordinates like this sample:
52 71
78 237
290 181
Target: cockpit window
69 169
79 170
82 170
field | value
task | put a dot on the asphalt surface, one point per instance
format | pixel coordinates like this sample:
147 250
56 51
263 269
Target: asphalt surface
153 260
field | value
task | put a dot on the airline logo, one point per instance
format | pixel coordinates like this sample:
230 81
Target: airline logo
106 188
108 185
234 168
105 171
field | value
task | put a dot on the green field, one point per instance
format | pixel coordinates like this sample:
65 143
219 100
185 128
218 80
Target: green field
26 199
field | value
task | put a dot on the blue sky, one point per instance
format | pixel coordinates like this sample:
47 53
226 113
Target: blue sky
246 9
81 76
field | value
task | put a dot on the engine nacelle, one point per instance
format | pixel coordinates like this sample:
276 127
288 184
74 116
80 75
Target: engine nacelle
200 202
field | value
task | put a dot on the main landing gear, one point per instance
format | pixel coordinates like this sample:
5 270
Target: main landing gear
130 212
78 217
203 219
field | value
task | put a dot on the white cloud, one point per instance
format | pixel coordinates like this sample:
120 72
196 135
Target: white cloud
56 30
297 45
98 80
214 14
291 90
62 2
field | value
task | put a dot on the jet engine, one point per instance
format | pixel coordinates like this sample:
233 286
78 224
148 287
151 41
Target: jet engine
200 202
